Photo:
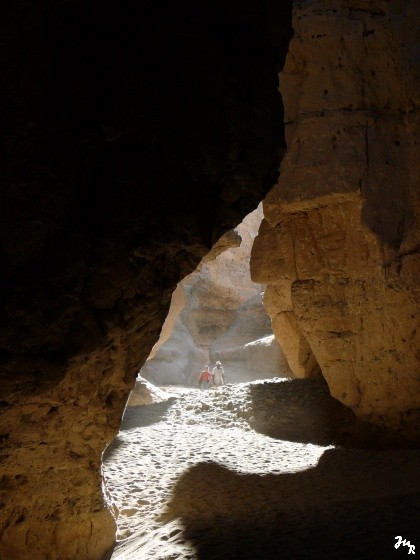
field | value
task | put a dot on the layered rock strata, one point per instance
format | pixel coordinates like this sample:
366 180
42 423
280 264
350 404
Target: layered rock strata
339 243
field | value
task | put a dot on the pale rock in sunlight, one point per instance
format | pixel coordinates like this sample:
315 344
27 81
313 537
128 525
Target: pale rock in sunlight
145 392
216 313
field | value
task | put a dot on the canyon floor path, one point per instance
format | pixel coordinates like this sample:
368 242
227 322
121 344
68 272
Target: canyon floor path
264 470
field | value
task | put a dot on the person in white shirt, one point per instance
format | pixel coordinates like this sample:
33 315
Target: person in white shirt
218 375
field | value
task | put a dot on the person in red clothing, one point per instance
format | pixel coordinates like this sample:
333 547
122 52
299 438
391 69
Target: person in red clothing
205 378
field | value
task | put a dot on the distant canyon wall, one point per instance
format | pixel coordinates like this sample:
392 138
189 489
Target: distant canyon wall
339 244
217 313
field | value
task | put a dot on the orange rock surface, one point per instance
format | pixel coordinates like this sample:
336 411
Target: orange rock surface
339 243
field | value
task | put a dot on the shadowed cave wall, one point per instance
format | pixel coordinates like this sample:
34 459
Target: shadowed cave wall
132 138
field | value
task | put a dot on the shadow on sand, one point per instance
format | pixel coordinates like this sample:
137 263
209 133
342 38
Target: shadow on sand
145 414
352 505
302 410
138 417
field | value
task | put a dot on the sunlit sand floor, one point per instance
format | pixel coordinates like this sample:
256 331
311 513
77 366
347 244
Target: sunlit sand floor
260 470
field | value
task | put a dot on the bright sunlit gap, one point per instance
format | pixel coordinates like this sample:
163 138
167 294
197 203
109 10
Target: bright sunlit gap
217 314
175 424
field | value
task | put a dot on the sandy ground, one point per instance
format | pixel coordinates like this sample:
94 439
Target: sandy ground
259 470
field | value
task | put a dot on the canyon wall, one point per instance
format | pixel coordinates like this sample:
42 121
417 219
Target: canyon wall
216 313
339 245
133 136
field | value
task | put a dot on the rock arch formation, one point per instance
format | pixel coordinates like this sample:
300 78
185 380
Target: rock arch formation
123 129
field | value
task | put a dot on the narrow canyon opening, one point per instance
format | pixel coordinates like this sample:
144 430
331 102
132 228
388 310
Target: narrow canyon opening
133 137
217 314
172 426
224 472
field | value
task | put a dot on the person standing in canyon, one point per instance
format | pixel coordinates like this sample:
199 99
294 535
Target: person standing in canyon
205 378
218 374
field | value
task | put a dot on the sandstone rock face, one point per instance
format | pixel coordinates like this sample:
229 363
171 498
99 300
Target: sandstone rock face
248 350
260 359
123 127
339 243
146 393
216 313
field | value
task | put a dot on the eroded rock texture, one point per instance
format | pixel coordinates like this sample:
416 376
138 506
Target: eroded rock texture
339 244
217 313
132 138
